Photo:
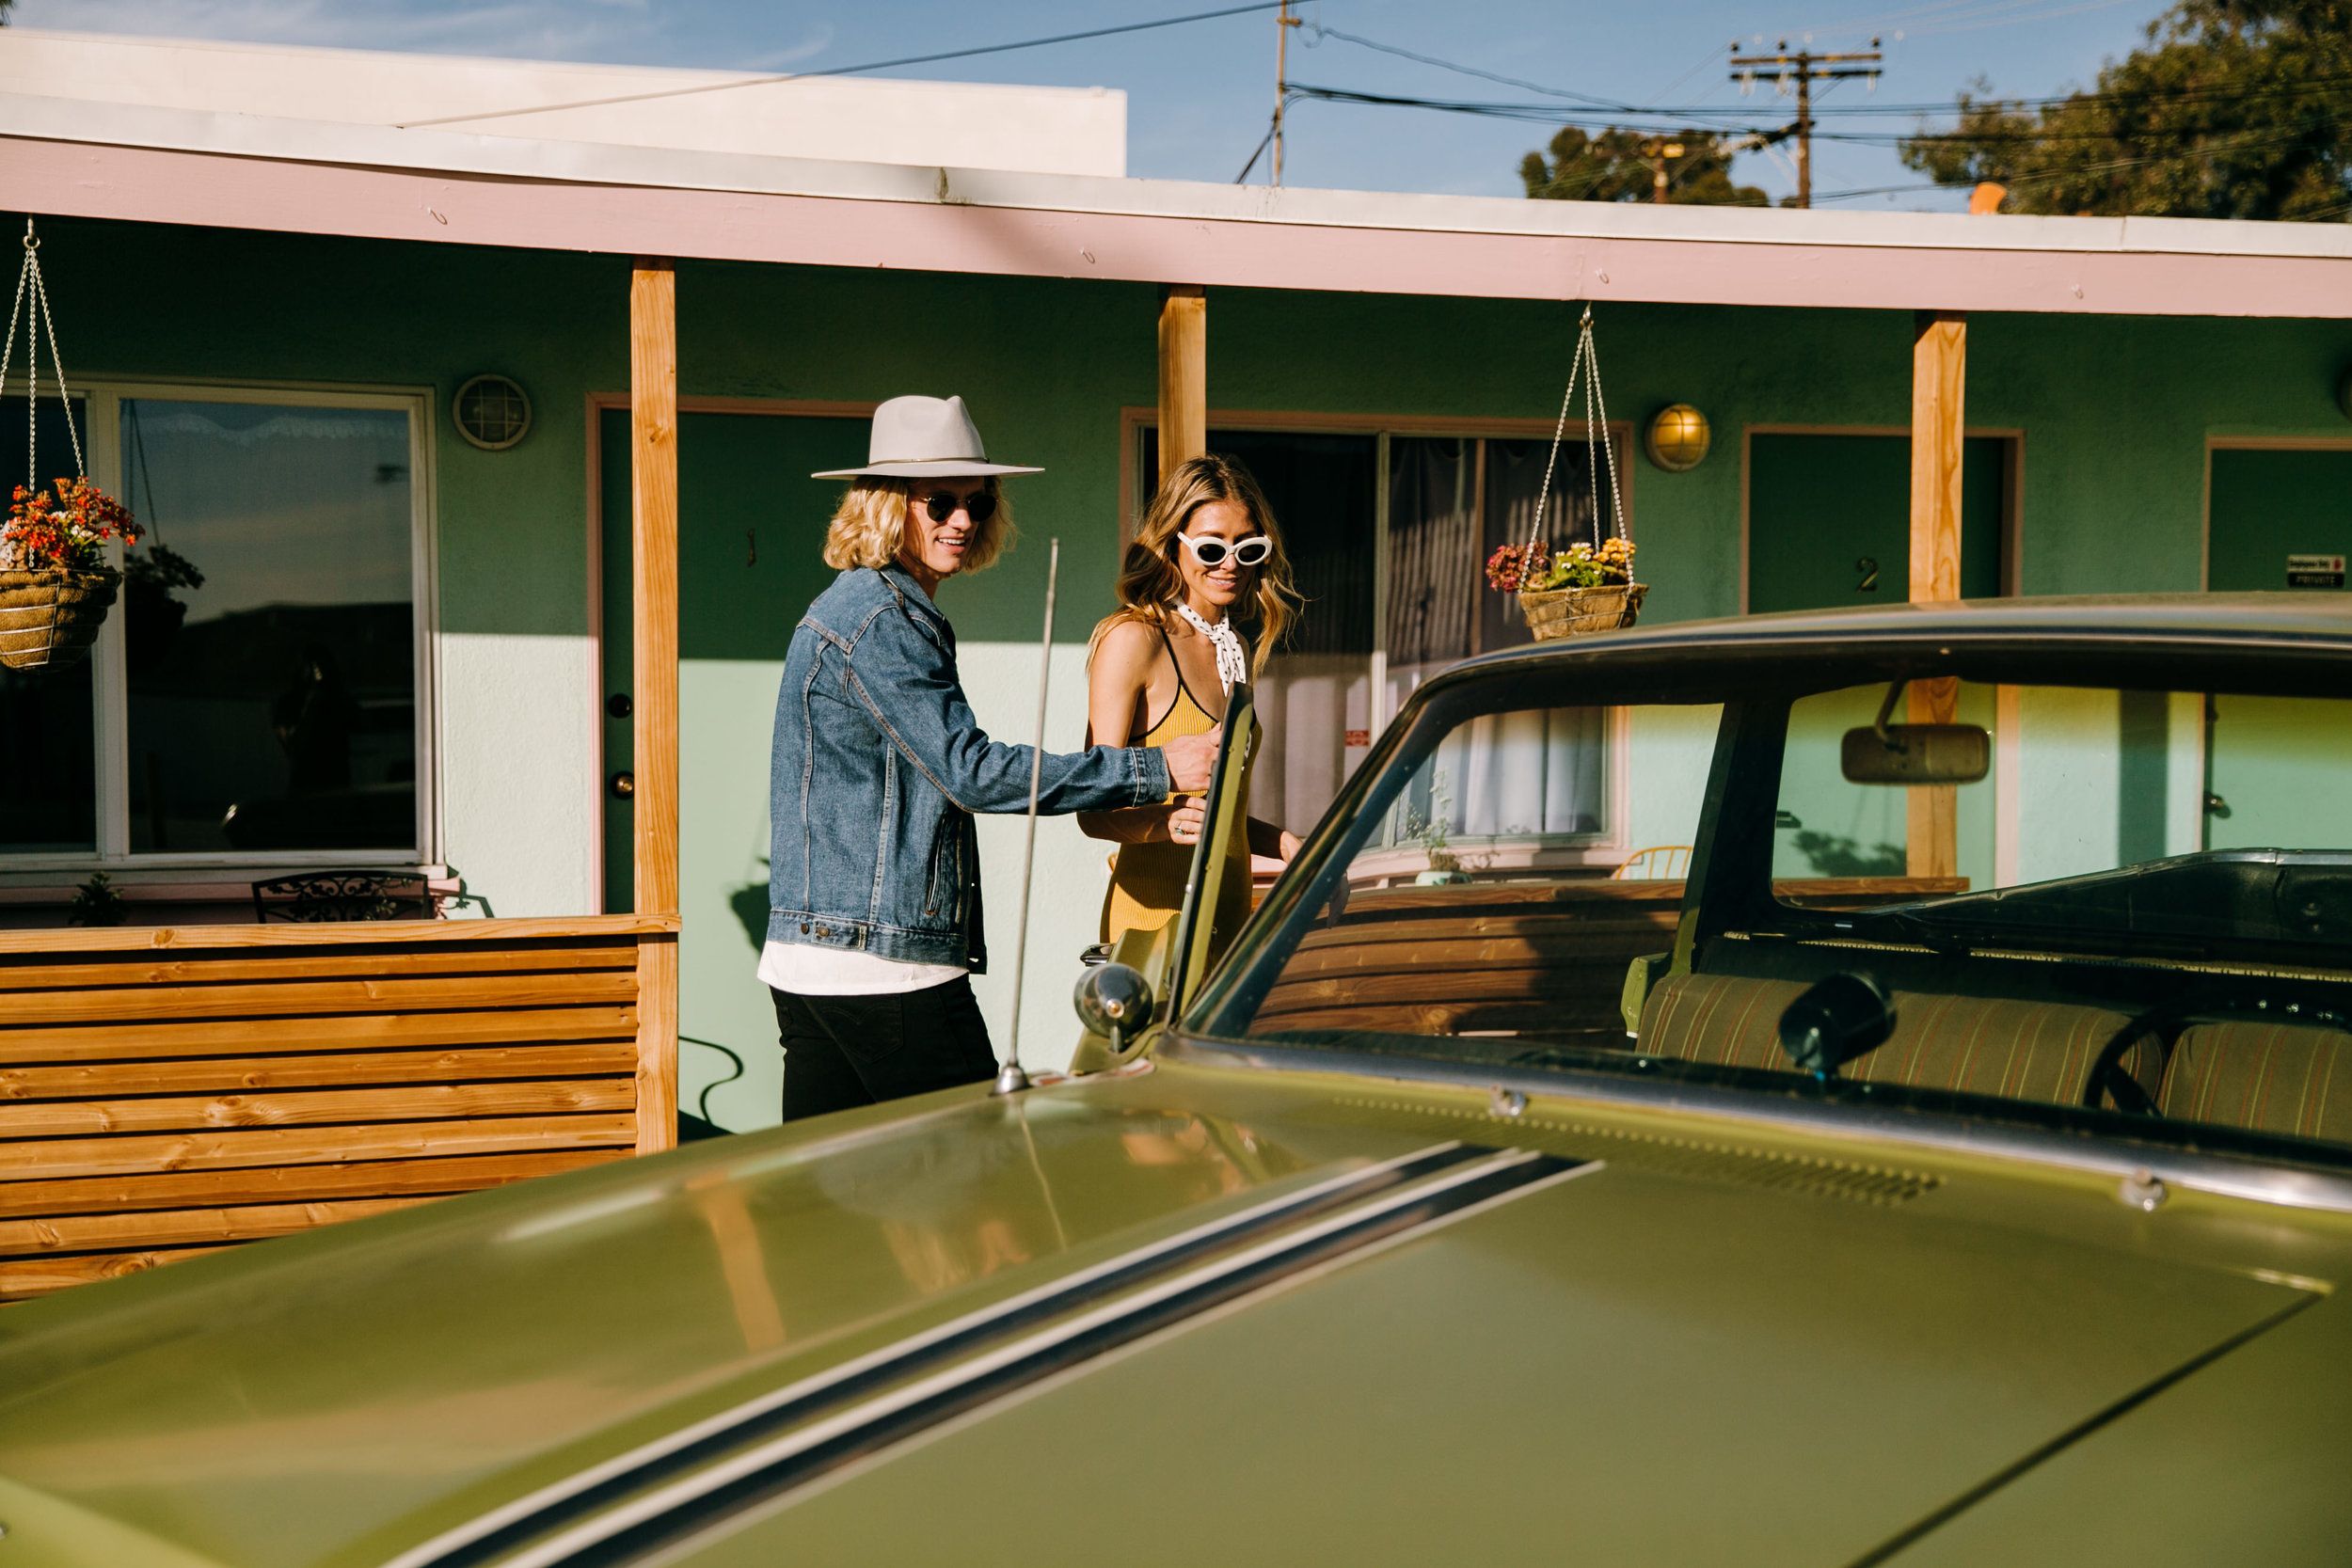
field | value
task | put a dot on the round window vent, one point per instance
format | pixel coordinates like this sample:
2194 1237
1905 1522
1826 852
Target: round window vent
492 411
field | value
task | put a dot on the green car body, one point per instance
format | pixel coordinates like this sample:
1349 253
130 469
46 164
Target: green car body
1234 1298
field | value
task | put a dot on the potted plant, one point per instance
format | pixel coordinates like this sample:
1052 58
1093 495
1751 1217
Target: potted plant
55 585
1572 591
1444 867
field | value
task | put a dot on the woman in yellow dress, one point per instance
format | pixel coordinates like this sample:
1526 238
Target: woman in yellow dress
1204 596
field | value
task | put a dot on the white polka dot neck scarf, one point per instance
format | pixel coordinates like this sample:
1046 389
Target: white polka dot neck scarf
1232 667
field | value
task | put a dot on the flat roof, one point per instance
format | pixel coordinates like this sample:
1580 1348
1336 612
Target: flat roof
876 119
235 170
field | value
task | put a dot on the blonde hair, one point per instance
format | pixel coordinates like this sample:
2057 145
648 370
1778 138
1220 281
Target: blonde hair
1149 582
869 526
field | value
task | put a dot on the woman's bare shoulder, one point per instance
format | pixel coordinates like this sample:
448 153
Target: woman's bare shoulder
1127 641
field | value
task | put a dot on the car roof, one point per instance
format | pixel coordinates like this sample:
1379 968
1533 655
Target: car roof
2281 620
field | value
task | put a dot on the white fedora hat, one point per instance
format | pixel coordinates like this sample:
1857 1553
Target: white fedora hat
918 437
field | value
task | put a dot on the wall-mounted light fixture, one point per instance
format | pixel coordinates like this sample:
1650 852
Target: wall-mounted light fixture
1677 439
492 412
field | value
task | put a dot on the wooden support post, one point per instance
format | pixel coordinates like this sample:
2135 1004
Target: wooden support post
1939 387
653 561
1183 374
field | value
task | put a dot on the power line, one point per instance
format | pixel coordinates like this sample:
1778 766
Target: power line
1322 31
853 70
1684 116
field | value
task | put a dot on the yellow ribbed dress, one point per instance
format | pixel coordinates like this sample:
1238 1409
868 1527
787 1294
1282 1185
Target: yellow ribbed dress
1148 880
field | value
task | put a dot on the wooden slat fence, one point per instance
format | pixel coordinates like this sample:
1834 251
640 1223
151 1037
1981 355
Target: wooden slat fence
169 1092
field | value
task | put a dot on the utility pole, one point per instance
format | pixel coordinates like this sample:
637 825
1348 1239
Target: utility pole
1282 25
1658 150
1807 68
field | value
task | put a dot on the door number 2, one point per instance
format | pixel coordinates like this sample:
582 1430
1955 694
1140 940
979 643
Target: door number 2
1869 570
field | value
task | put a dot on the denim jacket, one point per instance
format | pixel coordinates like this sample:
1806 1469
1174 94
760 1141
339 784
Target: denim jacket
877 768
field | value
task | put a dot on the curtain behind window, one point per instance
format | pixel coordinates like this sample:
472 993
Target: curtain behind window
1452 503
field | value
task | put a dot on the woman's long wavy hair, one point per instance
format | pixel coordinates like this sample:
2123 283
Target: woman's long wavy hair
870 525
1150 583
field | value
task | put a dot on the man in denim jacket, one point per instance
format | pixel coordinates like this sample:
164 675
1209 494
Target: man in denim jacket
875 927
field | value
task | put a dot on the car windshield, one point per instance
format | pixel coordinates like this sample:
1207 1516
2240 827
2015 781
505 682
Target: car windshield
2121 904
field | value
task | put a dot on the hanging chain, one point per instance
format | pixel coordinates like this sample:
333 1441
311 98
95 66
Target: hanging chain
1587 364
32 368
29 279
1596 430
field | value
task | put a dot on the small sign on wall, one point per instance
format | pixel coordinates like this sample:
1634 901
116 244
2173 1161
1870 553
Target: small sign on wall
2314 571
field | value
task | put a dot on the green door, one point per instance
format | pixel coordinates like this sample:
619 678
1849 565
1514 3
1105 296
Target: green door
2269 507
1829 521
751 527
2276 765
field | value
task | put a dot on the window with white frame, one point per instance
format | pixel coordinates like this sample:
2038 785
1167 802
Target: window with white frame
1389 532
259 693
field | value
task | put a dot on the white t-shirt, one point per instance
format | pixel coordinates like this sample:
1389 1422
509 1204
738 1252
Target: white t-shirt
806 969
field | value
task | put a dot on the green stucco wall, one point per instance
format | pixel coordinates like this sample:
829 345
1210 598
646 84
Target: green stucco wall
2115 414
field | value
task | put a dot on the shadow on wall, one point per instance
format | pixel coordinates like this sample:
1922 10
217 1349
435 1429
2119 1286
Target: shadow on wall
750 904
1834 855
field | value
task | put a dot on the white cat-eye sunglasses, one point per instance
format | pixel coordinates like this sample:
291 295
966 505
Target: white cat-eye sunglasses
1210 552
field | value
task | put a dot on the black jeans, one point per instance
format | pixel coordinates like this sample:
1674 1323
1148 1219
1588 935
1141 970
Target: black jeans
845 1050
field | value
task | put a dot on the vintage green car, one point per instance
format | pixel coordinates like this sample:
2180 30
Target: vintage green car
1954 1167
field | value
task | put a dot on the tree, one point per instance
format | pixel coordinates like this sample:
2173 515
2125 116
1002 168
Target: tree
1624 166
2235 109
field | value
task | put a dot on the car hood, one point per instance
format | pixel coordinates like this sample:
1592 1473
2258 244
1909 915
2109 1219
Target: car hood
1665 1348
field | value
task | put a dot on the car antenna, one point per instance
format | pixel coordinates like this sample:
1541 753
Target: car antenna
1011 1078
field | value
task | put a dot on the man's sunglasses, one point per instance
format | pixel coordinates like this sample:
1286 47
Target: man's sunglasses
941 505
1210 552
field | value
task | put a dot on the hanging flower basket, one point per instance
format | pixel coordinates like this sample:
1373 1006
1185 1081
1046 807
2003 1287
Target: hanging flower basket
49 619
1585 588
55 586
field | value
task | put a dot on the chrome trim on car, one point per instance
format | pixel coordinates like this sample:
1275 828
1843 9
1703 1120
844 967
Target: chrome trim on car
486 1538
763 1476
2181 1170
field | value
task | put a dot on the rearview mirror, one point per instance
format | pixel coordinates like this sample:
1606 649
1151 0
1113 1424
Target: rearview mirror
1915 754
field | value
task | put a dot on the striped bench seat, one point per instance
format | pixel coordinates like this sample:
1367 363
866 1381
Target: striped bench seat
2285 1078
2016 1050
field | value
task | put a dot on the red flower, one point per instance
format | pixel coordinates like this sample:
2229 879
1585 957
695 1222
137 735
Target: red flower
1506 568
66 526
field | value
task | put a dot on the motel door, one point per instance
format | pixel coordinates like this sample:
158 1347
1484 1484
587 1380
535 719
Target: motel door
2279 521
1829 521
751 524
1829 526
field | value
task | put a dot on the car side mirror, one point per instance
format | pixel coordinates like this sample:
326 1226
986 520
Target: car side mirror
1835 1022
1114 999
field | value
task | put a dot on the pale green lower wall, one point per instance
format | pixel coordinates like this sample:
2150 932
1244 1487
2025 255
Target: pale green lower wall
1671 751
722 869
519 770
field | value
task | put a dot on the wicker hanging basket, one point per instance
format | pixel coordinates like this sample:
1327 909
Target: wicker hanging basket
49 619
1581 612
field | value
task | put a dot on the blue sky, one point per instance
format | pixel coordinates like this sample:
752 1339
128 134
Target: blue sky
1199 96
